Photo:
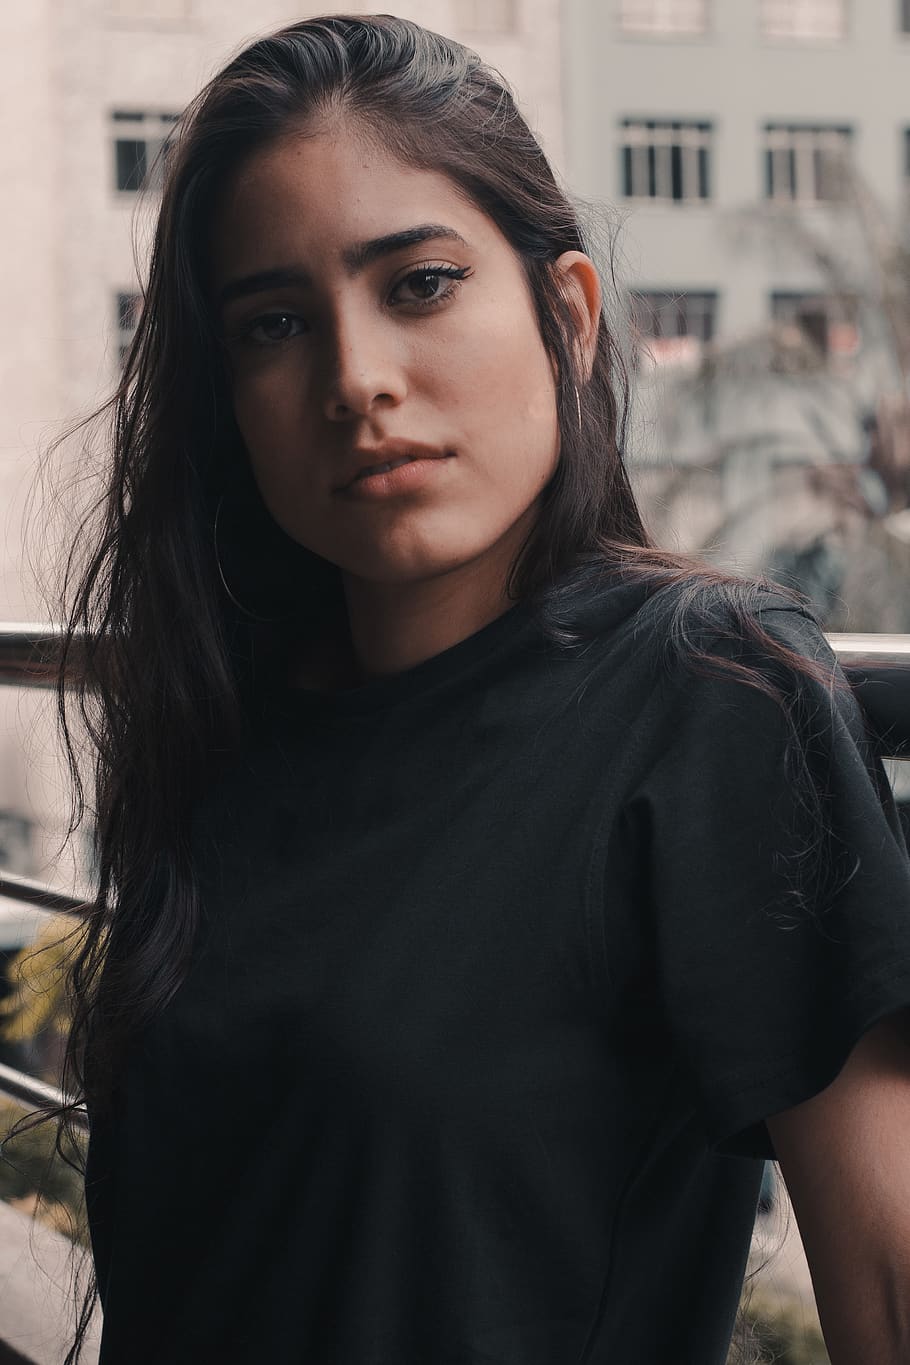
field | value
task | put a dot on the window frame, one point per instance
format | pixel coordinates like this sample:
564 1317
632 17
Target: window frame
150 129
683 156
797 8
126 302
799 152
509 28
674 341
627 26
838 311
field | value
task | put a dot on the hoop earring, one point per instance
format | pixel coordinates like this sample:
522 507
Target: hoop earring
578 406
268 620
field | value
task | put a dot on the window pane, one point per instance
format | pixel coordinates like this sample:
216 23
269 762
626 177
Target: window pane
673 326
827 322
628 187
905 16
814 324
15 842
666 159
641 316
807 164
487 16
156 156
131 164
819 19
139 157
128 308
676 173
663 16
128 311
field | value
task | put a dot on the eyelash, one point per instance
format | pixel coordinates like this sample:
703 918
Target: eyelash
455 274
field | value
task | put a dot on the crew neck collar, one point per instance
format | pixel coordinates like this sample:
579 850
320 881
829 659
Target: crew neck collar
392 689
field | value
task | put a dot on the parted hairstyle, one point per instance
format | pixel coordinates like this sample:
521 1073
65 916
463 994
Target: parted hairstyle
159 666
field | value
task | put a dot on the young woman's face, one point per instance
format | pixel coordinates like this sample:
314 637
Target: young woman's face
372 313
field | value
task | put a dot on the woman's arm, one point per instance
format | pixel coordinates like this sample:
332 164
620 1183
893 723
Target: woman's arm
845 1157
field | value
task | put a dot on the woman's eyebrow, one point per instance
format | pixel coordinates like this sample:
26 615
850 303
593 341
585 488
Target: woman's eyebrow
356 259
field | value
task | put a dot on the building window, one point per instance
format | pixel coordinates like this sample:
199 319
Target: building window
140 144
663 16
672 327
665 160
809 19
806 164
129 307
487 16
905 16
15 842
827 322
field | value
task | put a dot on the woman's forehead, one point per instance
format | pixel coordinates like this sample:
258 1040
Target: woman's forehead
333 193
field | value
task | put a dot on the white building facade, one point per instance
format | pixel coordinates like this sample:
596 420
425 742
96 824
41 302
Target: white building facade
735 140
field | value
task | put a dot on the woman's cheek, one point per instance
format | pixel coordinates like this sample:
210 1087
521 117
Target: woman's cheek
259 410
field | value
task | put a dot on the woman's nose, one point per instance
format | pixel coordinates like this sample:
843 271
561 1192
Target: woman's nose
363 372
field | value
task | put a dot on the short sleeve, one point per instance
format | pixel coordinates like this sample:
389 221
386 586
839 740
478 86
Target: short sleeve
779 887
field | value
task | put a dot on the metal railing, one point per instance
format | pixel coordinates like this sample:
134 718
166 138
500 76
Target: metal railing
878 667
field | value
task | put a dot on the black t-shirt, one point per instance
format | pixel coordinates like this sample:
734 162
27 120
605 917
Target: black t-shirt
504 961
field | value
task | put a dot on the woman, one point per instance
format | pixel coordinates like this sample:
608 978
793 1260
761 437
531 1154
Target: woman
484 893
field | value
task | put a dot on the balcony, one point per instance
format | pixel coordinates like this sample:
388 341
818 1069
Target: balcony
35 1322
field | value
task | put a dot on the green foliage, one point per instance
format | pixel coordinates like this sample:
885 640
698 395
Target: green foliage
37 980
783 1333
35 1176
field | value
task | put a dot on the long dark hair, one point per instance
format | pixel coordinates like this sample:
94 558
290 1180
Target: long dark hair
166 664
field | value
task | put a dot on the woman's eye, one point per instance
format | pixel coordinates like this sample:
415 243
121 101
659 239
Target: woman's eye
273 328
429 284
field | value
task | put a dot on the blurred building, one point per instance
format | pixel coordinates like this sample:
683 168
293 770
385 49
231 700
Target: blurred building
757 153
92 88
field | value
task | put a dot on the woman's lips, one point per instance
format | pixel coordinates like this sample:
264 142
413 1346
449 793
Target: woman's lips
385 468
415 473
365 459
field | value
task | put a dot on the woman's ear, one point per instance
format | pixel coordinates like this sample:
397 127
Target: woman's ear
581 285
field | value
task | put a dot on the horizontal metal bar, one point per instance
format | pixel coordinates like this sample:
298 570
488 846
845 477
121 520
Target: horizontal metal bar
28 1090
872 642
878 666
20 640
40 894
878 669
29 651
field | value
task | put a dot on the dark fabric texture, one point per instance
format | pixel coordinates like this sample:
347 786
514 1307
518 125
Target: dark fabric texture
505 960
